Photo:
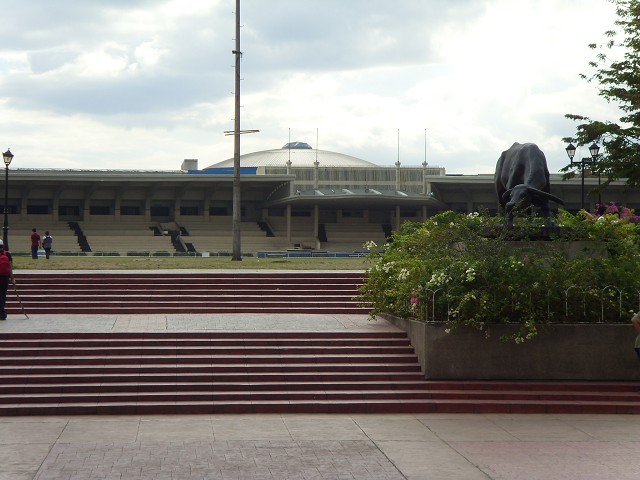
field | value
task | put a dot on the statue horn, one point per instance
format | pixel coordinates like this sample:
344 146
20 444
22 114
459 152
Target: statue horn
547 195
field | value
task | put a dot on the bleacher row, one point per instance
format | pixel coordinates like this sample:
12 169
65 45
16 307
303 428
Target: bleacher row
134 236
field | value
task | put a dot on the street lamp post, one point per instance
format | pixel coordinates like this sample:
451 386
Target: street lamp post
583 162
7 157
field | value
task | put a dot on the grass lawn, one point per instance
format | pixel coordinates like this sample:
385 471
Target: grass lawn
162 263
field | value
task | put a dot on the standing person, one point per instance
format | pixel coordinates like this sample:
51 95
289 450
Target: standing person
6 274
47 243
636 323
35 243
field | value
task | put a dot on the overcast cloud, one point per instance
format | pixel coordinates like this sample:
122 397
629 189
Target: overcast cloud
135 84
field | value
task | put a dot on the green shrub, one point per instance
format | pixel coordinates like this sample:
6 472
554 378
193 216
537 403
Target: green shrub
472 270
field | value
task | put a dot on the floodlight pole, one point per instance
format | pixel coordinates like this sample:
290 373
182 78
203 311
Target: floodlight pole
237 208
236 254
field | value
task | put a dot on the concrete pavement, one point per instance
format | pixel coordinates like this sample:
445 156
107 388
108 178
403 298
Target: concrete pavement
465 447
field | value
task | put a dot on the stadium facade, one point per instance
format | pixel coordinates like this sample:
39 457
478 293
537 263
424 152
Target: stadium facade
292 197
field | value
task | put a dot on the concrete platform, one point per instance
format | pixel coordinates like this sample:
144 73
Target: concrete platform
191 323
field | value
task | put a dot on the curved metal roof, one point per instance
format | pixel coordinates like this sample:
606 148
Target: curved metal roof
300 157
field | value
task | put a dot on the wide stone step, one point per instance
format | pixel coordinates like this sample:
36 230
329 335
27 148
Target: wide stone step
375 373
123 386
110 291
212 396
191 277
360 405
207 359
191 351
249 336
133 309
78 345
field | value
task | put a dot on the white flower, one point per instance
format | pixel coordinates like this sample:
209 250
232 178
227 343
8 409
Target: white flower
387 267
403 274
370 245
438 279
469 274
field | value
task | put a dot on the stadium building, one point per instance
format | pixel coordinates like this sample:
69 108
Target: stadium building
293 198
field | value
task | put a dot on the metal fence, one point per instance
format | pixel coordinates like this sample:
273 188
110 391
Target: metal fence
607 304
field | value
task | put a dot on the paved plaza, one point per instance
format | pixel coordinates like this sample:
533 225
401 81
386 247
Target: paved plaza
304 447
390 447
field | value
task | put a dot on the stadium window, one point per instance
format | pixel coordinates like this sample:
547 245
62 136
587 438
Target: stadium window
159 211
99 210
130 210
69 211
37 209
352 213
11 209
189 211
276 212
218 211
408 213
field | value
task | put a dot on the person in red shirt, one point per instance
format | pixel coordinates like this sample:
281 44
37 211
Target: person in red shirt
6 273
35 244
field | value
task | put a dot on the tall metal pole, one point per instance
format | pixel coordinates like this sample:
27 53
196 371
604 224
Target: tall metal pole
6 157
236 253
5 228
582 189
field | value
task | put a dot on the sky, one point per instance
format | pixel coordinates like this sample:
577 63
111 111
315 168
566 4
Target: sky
144 84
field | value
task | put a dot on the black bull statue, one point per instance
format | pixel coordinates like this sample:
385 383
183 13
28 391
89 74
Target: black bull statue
522 180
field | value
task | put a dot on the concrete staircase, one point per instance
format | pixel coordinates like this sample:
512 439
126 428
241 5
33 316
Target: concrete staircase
242 371
260 372
224 292
117 373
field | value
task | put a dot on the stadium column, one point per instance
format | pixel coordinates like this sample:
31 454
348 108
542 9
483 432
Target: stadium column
316 221
289 224
86 208
207 205
397 218
116 207
177 205
55 206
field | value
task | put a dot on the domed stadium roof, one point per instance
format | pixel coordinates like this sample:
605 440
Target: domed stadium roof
301 155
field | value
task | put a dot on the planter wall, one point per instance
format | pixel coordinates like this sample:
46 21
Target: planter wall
559 352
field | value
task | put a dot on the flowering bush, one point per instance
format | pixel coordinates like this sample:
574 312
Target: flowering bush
471 270
623 213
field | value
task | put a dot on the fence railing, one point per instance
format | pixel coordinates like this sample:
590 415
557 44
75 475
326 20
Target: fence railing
577 303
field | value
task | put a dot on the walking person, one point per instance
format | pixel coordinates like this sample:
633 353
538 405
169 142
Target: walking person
35 243
6 274
47 243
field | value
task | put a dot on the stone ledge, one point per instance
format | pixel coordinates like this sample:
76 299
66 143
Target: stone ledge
560 352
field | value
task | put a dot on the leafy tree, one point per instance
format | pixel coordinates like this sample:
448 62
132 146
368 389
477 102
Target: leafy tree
619 81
